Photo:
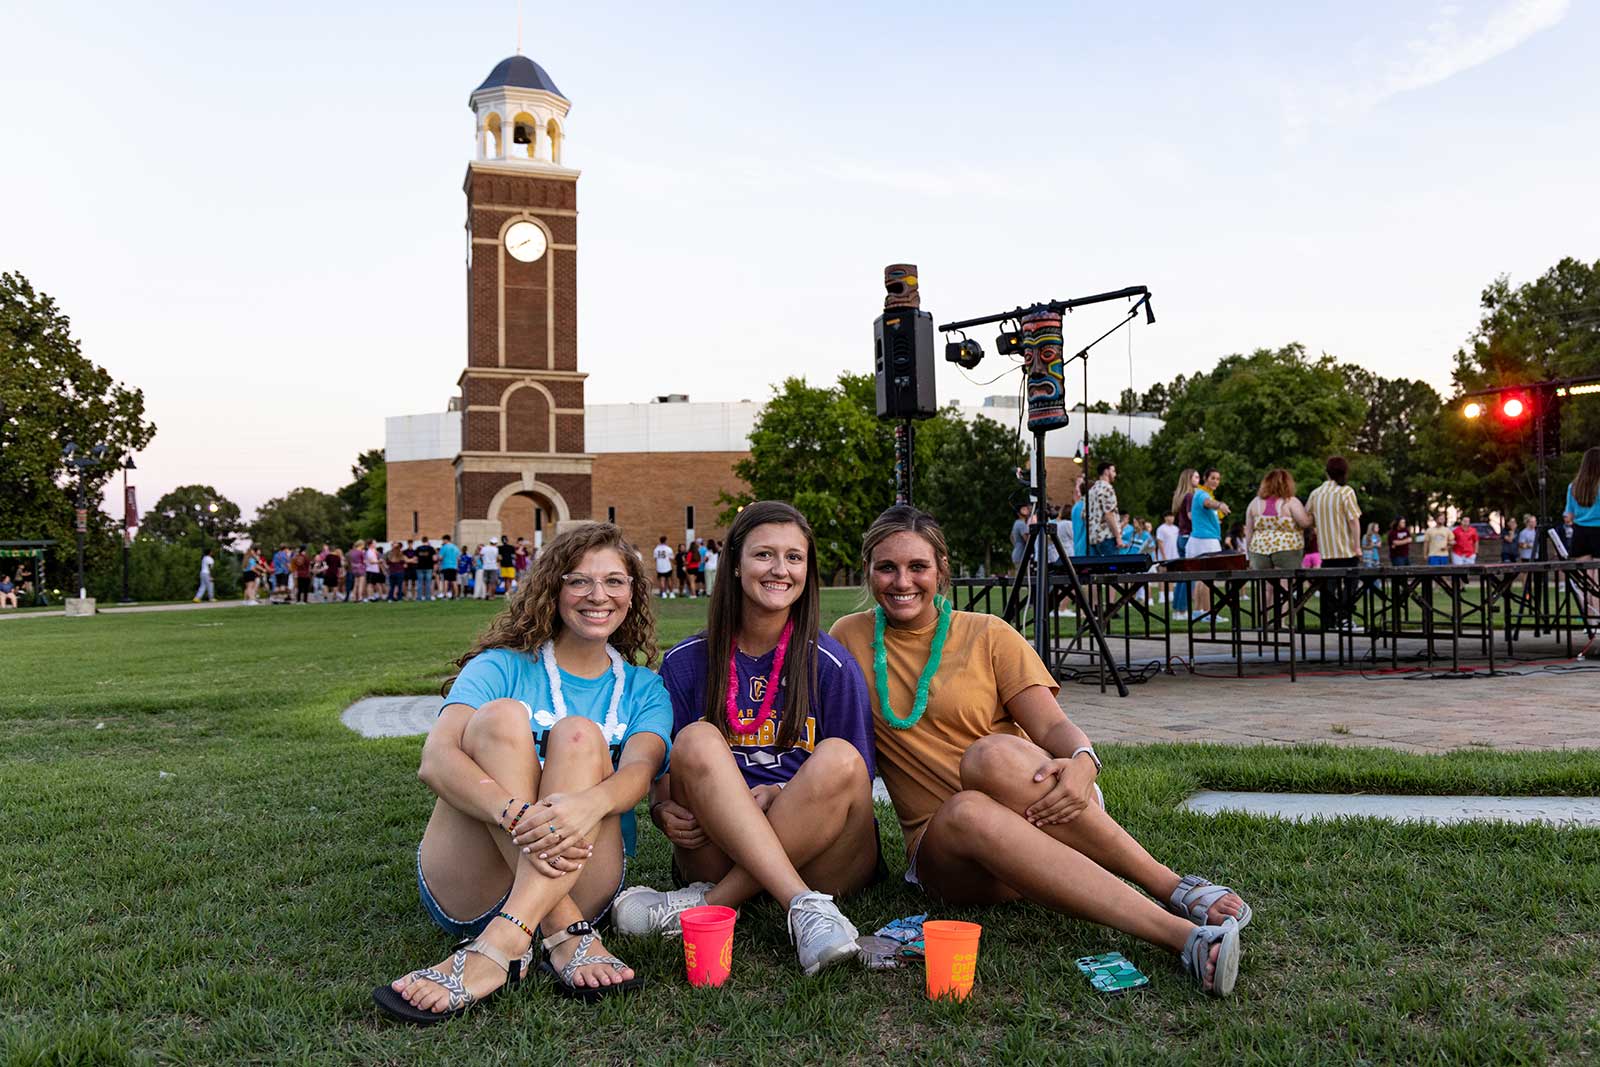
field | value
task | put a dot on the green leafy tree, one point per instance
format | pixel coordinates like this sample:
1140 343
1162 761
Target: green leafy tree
365 498
50 393
965 475
1156 398
301 517
193 515
1390 468
1137 487
1546 328
1272 408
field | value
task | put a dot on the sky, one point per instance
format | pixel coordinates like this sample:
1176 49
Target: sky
254 213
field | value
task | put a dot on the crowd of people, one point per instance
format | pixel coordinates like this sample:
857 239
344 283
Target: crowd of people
1280 531
756 745
370 571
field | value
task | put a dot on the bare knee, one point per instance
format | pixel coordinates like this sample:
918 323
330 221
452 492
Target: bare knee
575 740
969 816
838 763
997 761
696 746
496 724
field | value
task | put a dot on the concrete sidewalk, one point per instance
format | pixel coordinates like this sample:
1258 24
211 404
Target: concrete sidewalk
126 609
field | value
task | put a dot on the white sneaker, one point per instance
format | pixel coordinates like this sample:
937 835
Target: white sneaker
821 934
642 910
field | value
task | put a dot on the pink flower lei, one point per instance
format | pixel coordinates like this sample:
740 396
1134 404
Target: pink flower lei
734 723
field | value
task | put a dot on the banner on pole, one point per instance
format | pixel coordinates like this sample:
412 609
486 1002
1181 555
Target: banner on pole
130 510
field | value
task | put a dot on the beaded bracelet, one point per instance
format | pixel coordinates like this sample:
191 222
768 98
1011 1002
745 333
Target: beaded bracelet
513 920
512 829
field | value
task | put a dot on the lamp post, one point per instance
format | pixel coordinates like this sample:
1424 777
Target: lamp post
127 535
69 453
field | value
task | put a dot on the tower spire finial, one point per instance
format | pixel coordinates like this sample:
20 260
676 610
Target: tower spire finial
519 27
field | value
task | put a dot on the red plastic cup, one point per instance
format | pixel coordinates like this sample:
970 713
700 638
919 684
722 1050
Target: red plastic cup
950 950
708 943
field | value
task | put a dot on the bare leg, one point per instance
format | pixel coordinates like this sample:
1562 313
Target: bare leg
468 863
978 851
1003 766
708 782
823 820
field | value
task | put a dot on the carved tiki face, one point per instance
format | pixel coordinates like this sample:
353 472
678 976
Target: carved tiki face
900 279
1041 347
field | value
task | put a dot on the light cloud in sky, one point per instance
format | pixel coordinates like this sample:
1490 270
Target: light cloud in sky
1453 41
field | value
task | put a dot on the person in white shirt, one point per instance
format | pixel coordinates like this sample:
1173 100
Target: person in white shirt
488 571
1166 543
663 558
207 590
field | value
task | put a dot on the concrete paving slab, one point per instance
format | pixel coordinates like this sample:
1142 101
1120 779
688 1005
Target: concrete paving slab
1441 810
392 716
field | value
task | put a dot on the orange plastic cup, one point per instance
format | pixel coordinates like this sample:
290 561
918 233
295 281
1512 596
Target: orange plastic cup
708 943
951 952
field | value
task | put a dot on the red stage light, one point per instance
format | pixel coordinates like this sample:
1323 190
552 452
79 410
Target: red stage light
1513 407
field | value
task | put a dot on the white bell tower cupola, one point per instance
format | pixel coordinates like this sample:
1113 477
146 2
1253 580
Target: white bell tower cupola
522 116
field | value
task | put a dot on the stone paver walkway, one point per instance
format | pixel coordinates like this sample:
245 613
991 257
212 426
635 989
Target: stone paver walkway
1536 710
113 608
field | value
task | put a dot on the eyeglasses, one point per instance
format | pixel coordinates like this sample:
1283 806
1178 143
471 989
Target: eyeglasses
582 584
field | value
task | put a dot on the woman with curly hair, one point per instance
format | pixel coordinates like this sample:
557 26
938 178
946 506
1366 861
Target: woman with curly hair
549 736
772 762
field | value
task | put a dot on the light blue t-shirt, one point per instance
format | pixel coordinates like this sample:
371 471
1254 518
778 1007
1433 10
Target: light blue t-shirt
1589 516
502 672
1080 536
449 555
1204 521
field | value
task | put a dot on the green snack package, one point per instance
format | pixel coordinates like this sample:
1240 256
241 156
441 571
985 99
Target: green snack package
1111 973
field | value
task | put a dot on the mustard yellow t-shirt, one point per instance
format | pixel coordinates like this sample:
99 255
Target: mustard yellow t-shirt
985 664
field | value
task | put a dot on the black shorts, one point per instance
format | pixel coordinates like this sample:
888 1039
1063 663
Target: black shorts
281 581
1585 541
447 574
411 574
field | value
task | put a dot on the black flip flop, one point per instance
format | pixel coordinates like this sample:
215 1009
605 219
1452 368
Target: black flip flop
398 1007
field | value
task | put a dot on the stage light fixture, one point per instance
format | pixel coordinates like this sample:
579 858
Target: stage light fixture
1513 407
1009 343
1472 410
1580 390
965 352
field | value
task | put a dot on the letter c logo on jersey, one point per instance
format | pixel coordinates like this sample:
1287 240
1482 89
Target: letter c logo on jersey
758 688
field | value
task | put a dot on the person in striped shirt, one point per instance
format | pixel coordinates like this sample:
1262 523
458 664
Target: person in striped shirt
1338 520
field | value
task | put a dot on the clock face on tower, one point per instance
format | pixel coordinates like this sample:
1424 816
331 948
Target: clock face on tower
525 241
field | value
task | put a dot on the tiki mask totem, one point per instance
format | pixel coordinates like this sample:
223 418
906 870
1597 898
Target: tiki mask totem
900 279
1041 347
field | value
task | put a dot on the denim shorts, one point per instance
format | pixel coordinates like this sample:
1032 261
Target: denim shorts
465 928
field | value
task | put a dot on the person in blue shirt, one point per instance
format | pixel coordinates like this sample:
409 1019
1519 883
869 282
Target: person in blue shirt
1583 504
773 757
449 560
1080 535
548 739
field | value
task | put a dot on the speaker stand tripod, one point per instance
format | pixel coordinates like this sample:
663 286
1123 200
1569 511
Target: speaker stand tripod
1036 565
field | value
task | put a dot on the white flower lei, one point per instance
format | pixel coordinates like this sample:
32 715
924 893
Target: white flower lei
613 727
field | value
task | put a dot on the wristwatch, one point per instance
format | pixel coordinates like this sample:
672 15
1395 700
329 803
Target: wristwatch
1078 752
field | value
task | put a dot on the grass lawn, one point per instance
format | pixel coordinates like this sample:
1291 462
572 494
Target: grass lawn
240 907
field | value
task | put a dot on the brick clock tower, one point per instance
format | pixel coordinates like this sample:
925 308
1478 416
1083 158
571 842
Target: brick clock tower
522 393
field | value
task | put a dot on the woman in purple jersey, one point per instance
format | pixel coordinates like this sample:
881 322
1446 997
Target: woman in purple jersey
770 783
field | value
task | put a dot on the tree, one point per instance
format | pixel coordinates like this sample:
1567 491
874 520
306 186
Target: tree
50 393
193 515
1390 469
965 475
365 498
1249 414
1128 402
301 517
825 451
1547 328
1156 398
1137 486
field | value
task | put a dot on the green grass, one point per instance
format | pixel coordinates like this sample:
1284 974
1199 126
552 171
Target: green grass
242 908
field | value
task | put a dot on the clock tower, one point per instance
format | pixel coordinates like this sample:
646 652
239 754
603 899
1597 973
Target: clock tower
521 393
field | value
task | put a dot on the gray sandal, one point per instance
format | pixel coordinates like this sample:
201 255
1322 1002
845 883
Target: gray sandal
583 958
461 998
1194 897
1197 953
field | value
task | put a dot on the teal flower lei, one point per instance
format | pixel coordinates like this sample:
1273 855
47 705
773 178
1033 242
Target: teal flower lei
880 666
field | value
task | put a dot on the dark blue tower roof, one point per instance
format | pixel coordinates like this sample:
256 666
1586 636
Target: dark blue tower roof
521 72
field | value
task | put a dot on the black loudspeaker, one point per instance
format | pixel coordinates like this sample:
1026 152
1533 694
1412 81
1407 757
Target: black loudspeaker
903 361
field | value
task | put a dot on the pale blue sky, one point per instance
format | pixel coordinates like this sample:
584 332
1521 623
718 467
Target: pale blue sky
227 198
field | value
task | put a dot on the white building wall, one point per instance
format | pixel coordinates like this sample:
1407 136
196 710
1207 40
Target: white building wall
436 435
